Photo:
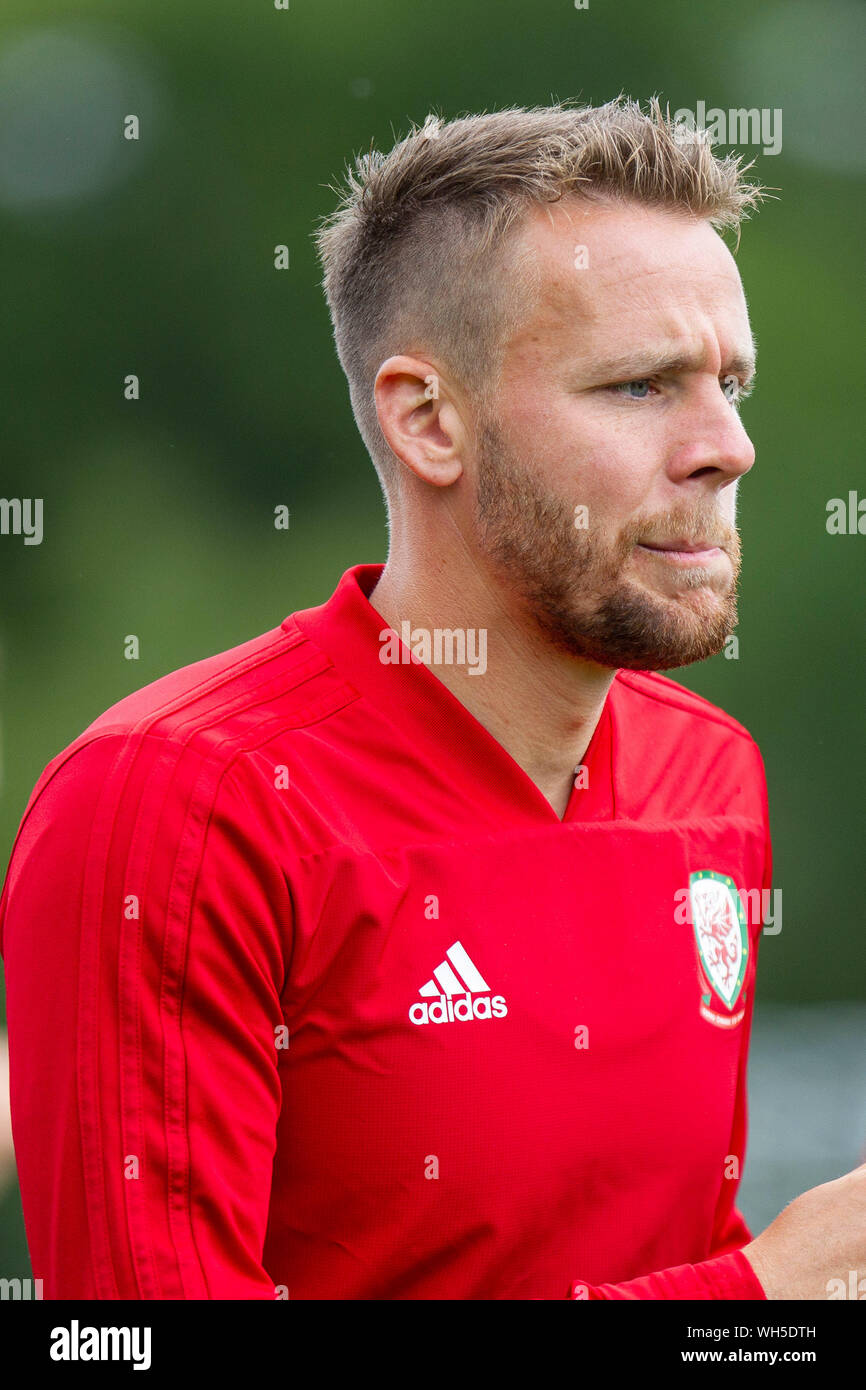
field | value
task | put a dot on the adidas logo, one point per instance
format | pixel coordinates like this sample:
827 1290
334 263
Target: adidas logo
457 976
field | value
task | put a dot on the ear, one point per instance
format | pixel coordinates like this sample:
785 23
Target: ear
420 419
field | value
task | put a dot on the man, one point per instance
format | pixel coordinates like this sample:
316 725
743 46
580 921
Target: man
406 951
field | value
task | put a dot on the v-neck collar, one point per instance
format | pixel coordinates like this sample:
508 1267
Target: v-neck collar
347 629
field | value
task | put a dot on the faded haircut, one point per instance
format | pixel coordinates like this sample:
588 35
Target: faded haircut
417 256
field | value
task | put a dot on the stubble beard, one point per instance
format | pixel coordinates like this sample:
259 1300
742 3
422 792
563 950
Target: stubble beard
573 582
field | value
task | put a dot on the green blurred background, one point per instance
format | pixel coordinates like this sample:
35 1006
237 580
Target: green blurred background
155 257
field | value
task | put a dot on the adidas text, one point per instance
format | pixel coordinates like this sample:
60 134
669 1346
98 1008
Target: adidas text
461 1010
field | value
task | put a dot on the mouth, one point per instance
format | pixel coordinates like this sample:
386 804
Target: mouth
684 552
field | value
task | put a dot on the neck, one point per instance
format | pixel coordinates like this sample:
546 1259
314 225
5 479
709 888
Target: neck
541 704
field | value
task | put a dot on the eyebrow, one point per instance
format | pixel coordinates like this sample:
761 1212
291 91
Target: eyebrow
636 366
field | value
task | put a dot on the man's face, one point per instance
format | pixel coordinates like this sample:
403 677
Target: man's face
613 440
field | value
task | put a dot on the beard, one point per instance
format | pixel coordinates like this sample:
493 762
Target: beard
574 583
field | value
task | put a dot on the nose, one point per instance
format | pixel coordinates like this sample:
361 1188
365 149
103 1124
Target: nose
712 440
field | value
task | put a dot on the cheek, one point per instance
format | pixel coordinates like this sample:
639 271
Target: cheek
615 483
533 422
583 459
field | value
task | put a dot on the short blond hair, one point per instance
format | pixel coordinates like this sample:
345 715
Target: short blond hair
416 256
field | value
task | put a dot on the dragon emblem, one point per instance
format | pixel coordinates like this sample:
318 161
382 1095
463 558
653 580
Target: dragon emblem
721 933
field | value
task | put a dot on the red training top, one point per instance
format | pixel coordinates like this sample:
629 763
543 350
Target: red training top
311 994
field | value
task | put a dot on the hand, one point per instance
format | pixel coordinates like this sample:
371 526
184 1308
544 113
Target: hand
819 1236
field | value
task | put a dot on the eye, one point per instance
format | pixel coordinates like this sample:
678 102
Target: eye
732 386
737 391
642 388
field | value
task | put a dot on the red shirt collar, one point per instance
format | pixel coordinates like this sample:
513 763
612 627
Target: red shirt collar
347 629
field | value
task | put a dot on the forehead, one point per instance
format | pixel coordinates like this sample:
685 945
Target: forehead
628 277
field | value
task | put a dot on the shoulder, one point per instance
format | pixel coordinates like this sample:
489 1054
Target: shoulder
224 704
167 749
677 751
657 696
280 677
